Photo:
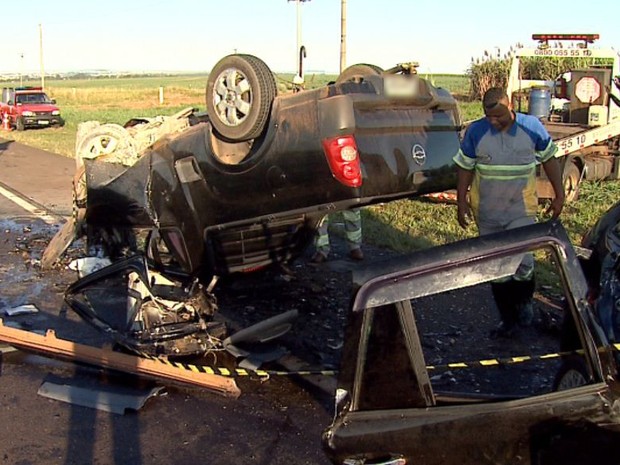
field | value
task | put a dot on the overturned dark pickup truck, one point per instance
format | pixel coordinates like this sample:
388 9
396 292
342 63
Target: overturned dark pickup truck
245 185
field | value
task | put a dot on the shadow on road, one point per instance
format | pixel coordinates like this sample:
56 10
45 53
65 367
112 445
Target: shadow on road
86 427
4 144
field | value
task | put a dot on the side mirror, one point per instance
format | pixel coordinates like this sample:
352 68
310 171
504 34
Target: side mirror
54 101
10 102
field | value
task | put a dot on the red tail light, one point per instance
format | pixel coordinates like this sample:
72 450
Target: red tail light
344 160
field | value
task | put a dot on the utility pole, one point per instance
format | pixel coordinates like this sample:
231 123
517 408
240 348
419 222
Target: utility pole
300 51
343 35
41 56
21 71
298 29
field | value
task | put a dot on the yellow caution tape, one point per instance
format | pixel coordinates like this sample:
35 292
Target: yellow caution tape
455 365
222 371
509 360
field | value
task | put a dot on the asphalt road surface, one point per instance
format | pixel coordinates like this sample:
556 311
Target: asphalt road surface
275 421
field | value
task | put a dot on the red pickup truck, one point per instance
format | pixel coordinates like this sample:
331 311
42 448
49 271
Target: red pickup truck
29 107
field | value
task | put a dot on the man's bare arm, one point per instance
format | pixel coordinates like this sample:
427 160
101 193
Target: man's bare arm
554 174
464 180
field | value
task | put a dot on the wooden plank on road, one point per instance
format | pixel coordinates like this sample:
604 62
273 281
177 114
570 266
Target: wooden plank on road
106 358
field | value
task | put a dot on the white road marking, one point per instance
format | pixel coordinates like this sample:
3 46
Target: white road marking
28 206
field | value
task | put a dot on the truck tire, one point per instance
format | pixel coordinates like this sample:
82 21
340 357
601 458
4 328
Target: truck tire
357 73
19 124
571 177
240 92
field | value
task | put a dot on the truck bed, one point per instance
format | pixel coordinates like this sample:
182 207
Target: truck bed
562 130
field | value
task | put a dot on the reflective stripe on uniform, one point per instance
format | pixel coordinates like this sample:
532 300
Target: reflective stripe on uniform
321 242
548 153
465 162
353 227
506 172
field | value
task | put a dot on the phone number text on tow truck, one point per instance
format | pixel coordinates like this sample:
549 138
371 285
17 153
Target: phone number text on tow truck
563 52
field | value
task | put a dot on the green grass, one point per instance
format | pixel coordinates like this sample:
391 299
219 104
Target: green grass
409 225
110 100
191 81
116 100
595 197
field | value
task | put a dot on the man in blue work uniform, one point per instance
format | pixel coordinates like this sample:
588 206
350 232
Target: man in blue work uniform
497 185
352 232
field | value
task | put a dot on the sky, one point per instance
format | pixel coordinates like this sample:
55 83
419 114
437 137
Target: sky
192 35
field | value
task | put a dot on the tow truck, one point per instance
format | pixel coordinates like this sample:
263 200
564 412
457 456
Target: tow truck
578 108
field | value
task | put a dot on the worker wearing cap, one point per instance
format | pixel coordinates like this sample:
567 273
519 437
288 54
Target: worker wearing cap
497 186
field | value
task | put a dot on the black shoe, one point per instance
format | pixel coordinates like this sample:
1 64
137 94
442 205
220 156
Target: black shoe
356 254
503 331
318 257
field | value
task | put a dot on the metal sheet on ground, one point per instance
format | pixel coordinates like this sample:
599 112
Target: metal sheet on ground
108 398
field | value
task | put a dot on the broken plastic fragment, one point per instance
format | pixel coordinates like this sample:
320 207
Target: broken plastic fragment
87 265
21 310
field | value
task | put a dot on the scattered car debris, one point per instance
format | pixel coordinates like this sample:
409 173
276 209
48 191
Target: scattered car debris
264 331
248 344
149 314
253 361
21 310
5 349
87 265
114 143
146 312
108 398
